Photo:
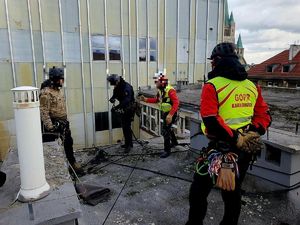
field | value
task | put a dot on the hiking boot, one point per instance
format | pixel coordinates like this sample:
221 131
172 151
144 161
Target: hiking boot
127 149
174 144
165 154
78 169
125 146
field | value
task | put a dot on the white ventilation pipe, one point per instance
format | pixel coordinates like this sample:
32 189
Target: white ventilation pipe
29 141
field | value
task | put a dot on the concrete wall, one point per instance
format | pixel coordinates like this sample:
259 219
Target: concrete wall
37 34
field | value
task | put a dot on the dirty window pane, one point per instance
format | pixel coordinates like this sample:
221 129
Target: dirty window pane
142 49
152 44
152 56
142 55
114 45
98 47
142 43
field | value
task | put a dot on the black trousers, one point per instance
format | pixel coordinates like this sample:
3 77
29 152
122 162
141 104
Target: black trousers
202 186
168 133
68 144
65 134
126 120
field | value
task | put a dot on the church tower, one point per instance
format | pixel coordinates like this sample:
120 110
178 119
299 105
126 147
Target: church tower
240 52
229 25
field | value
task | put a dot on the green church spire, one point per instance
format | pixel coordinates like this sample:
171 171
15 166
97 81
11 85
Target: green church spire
239 43
231 19
226 13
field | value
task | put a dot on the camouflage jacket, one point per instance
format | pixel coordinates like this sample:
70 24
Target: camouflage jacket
52 105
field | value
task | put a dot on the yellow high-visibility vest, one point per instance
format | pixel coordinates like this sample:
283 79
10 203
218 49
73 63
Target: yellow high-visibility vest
165 103
236 101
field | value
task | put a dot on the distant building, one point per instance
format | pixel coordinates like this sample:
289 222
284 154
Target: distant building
229 25
282 70
240 52
229 34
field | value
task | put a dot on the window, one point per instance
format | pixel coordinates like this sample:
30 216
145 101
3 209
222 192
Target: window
275 84
153 47
271 68
142 49
101 121
298 86
114 46
285 68
288 68
98 47
270 84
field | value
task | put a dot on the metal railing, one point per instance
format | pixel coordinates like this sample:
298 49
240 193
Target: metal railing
152 122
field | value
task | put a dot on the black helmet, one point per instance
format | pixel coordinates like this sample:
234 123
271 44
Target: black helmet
113 79
224 49
56 73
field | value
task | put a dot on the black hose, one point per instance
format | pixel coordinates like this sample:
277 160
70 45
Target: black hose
153 171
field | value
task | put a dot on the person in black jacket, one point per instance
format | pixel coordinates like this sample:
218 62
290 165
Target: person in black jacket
123 92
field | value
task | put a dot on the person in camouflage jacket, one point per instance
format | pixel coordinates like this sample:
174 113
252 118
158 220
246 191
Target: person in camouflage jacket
54 113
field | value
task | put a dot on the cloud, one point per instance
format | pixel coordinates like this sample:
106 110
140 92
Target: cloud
267 27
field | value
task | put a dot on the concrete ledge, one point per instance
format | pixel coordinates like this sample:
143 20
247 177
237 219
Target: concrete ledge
61 206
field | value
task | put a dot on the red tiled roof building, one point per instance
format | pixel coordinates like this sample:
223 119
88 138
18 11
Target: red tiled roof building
282 70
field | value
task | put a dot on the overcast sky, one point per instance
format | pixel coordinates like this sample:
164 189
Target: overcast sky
267 26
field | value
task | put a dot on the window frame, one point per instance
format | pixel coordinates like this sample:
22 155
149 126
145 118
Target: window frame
112 48
143 49
99 48
151 50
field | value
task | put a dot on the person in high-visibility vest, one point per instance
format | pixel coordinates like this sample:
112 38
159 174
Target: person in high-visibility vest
234 116
168 104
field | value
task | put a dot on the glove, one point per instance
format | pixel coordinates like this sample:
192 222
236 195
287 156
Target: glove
54 128
169 118
226 179
250 142
112 100
143 98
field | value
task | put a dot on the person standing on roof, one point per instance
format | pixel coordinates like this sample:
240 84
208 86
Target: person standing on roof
168 103
54 113
123 92
234 116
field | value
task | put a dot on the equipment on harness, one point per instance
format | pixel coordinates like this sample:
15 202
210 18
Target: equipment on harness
227 172
221 165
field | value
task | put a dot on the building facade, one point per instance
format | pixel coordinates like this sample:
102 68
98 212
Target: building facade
281 70
94 38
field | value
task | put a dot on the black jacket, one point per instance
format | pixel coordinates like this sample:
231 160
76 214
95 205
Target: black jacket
124 93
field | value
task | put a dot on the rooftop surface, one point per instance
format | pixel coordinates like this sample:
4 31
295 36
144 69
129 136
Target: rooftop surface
149 190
